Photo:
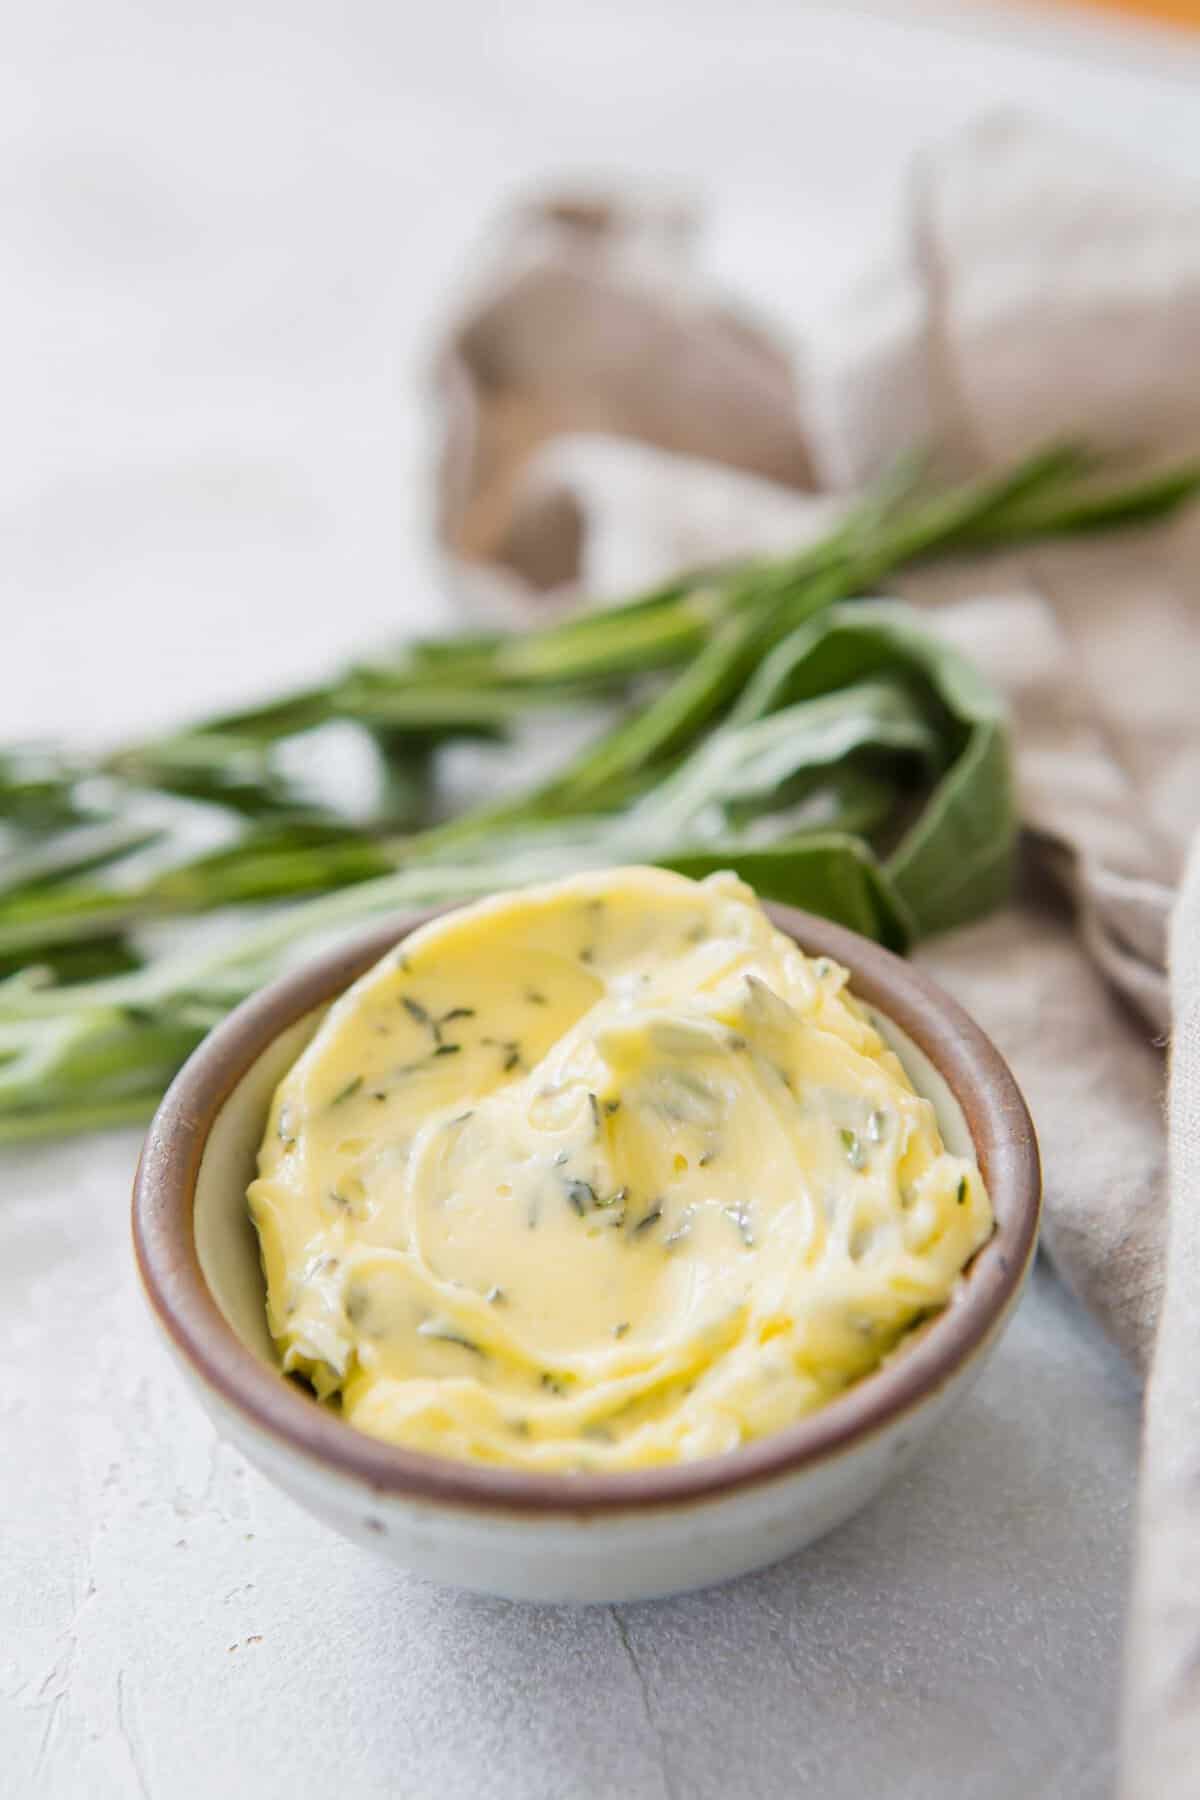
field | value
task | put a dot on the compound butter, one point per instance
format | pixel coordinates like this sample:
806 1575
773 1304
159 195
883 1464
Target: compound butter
602 1175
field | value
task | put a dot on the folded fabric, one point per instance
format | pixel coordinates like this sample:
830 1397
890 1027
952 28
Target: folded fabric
1162 1737
607 418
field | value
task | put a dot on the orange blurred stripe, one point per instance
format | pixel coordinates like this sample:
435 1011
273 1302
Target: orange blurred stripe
1172 12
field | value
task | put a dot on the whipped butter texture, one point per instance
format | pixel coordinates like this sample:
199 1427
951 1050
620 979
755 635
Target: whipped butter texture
601 1175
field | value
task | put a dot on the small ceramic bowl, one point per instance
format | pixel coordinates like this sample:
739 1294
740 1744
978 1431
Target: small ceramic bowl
558 1537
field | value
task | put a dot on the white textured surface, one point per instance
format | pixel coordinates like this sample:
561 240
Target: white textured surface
222 243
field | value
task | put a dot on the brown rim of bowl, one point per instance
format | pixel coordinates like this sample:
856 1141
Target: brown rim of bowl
165 1247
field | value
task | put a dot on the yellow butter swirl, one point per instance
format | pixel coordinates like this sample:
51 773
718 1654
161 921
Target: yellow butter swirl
602 1175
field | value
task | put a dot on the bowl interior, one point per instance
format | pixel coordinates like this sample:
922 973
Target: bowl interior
226 1244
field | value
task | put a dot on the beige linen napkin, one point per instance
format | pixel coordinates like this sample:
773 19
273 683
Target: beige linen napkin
1163 1719
607 419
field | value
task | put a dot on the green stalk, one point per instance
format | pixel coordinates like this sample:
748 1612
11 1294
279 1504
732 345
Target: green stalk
747 610
1142 502
72 1118
421 708
100 1051
80 850
770 600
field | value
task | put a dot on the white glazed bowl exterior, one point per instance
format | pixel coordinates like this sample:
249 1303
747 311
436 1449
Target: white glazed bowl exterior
587 1551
